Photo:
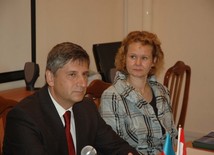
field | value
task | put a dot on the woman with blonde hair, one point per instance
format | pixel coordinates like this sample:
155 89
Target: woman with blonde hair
137 106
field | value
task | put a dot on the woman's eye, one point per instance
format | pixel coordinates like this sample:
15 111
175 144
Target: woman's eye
133 56
145 58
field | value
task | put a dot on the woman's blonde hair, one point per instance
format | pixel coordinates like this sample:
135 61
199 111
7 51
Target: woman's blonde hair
145 38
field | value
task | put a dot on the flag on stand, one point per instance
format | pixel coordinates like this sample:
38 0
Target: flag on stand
168 148
181 147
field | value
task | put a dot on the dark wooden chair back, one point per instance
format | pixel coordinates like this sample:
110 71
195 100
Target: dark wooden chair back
5 106
95 90
177 80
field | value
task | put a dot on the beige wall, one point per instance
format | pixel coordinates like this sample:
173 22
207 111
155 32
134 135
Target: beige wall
15 37
81 22
185 28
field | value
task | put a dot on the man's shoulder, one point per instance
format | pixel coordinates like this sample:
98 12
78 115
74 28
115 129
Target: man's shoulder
86 102
33 100
86 105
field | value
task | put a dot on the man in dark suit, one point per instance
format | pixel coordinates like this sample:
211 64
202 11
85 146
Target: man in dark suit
36 125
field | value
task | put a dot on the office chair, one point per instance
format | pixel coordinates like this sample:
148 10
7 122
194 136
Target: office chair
95 90
104 55
177 80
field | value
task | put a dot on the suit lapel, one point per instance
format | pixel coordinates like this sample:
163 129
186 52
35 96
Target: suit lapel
53 123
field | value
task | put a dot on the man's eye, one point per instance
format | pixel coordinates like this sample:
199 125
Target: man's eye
72 74
86 75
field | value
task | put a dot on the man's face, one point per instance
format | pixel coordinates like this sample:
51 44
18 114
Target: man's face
69 83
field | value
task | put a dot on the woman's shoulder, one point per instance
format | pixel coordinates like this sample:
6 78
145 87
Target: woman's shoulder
111 94
110 91
157 86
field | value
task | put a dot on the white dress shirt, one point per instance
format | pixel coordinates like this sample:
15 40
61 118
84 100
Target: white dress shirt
61 111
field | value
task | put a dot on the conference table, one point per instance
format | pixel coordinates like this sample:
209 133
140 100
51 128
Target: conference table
16 94
196 151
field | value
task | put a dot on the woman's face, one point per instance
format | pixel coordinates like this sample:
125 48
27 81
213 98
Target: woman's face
139 60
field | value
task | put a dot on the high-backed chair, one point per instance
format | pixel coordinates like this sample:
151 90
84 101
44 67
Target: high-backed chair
95 90
177 79
5 106
104 55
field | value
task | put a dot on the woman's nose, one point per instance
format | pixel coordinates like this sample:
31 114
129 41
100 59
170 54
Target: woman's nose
138 61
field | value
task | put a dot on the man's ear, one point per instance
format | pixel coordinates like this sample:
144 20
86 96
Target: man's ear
49 77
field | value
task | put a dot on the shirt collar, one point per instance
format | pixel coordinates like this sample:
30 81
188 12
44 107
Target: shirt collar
58 107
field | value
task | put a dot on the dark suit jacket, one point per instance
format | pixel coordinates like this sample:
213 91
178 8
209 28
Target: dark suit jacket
34 127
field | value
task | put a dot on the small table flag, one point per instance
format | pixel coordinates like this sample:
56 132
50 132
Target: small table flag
168 148
181 147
